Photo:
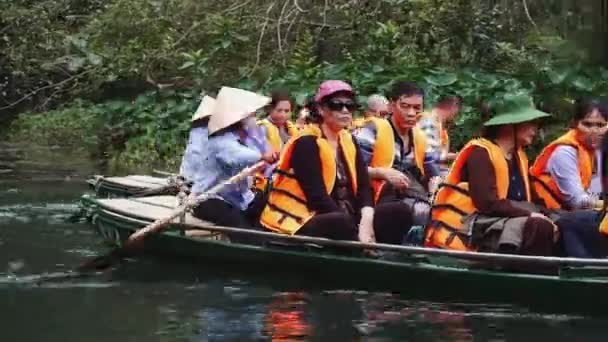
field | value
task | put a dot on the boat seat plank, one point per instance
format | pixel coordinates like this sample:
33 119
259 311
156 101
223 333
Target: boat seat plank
162 201
125 182
134 182
149 211
149 179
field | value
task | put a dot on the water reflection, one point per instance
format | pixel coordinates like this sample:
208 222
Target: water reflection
355 316
286 318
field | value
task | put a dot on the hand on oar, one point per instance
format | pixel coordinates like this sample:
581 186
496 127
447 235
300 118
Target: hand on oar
136 238
159 225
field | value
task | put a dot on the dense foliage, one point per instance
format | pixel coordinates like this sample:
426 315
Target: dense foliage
121 78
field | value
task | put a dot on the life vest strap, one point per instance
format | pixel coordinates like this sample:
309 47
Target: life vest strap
454 232
449 207
285 214
455 188
544 185
284 173
289 194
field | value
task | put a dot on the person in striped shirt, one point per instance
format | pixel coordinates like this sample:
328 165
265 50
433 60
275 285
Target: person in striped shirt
400 164
433 124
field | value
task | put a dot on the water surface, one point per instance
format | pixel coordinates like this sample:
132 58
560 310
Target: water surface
169 300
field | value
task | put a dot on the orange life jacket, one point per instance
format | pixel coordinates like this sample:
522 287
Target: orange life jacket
276 143
384 151
453 202
544 185
287 208
359 122
444 137
272 133
604 225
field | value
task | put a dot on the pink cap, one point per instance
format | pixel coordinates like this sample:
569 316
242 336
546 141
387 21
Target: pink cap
331 87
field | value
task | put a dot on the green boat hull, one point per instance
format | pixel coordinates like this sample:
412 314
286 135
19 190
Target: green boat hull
426 278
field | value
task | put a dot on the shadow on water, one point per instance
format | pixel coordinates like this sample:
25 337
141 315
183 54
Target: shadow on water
151 299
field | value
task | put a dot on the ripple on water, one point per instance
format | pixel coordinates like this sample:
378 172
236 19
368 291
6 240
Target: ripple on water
53 213
54 280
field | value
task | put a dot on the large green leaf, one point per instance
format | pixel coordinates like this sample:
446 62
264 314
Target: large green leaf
557 77
187 65
441 80
582 83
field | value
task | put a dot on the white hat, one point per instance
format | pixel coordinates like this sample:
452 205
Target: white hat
375 102
204 109
233 105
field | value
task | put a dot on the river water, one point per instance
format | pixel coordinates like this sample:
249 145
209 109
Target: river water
163 300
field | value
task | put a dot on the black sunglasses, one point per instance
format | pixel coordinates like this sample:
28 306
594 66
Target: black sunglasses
336 105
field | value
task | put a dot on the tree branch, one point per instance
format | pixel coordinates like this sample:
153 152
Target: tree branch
295 3
280 44
261 38
36 91
236 6
525 3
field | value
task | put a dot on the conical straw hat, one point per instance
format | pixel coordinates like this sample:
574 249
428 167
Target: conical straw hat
233 105
205 108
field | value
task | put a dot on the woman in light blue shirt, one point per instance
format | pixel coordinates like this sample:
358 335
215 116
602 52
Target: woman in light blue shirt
196 150
235 143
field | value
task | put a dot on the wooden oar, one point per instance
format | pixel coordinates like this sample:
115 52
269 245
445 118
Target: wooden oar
105 261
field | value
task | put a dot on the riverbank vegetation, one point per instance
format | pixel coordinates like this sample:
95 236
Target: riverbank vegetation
120 78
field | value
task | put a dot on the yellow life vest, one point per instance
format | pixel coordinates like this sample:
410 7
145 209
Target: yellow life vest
272 133
287 208
383 154
444 137
604 225
384 151
358 123
276 143
453 202
544 185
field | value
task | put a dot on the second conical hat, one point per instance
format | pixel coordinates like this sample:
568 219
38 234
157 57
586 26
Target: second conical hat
205 108
233 105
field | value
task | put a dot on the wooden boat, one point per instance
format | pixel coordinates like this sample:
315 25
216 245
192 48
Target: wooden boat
565 285
132 185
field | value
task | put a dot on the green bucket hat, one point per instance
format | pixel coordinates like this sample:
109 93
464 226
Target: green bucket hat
516 109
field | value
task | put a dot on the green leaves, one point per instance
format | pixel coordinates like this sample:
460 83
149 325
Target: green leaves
557 77
441 80
582 83
187 65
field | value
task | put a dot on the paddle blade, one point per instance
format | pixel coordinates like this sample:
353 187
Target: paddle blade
103 262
